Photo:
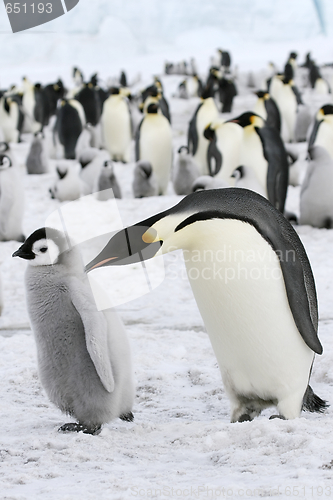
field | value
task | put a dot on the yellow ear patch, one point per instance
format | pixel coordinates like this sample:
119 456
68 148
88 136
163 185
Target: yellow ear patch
150 236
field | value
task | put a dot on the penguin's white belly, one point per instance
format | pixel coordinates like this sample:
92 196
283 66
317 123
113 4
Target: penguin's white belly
260 109
11 204
240 292
156 147
116 124
9 121
252 155
288 108
321 86
192 87
206 115
324 137
316 203
229 142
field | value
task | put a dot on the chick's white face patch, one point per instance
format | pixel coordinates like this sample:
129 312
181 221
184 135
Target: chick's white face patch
46 252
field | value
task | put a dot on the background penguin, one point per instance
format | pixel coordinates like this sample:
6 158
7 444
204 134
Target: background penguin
316 203
265 354
34 107
317 82
11 200
9 119
264 152
84 359
36 162
191 87
90 172
208 182
266 108
185 171
290 66
303 123
223 155
154 144
245 178
154 94
205 114
287 102
116 126
322 131
68 186
107 180
69 125
53 92
144 181
89 99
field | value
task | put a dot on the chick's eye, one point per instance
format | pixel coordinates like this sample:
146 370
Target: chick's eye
43 249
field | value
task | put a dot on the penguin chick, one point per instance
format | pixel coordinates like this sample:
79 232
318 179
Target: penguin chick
316 203
106 181
205 182
68 186
11 200
91 171
37 161
246 178
84 359
144 181
185 172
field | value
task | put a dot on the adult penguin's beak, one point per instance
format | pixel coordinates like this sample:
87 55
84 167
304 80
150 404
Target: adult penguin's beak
128 246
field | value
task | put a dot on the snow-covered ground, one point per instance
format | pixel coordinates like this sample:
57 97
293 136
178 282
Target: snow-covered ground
181 444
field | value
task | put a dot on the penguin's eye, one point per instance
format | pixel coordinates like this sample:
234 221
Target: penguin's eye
43 249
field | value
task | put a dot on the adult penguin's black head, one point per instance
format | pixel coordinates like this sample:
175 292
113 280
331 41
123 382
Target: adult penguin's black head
248 118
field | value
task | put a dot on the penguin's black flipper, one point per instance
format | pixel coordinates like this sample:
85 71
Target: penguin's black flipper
314 133
273 114
192 136
297 94
278 166
213 153
137 142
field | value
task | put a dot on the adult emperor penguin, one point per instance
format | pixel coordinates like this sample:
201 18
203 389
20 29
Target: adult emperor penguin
144 181
266 108
9 119
322 131
316 203
11 200
116 126
242 256
223 154
264 152
84 359
36 162
205 114
287 101
69 125
185 172
154 144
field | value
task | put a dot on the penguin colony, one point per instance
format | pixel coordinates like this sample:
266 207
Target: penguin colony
233 168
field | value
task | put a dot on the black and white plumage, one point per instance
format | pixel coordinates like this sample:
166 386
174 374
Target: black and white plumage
316 202
264 152
322 130
261 317
11 200
68 185
153 143
69 125
266 108
144 181
84 359
185 172
36 162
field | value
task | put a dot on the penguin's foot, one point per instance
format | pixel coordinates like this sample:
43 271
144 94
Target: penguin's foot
77 427
244 418
272 417
128 417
